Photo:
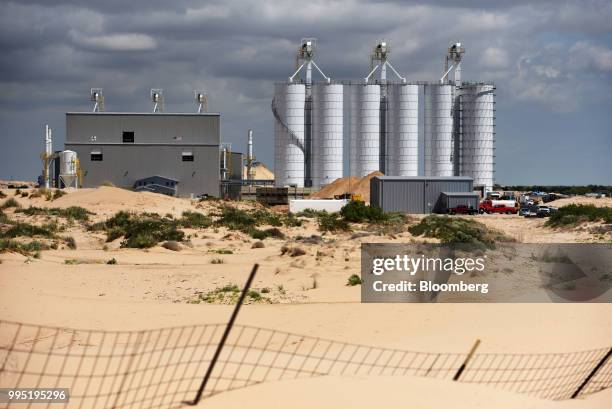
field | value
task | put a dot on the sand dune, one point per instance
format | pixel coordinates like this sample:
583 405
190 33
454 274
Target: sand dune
366 392
153 288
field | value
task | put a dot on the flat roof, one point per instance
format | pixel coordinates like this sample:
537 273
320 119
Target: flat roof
147 113
460 194
423 178
158 176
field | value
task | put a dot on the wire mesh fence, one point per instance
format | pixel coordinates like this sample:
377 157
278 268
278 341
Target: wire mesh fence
163 368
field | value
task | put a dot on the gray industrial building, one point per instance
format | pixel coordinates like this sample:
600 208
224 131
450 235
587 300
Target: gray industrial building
420 194
179 150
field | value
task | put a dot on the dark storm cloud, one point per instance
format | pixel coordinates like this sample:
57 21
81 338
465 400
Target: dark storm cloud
554 56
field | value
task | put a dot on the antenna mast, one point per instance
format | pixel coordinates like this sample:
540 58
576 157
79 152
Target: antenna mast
201 100
97 97
157 97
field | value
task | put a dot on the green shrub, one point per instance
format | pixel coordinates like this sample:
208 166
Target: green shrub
263 234
236 219
228 294
194 220
575 214
28 230
57 193
254 295
216 261
22 248
290 220
311 214
114 233
112 261
245 221
358 212
332 222
233 288
353 280
457 230
140 231
70 242
72 212
11 202
144 233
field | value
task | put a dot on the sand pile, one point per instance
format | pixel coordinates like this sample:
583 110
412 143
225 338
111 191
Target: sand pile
109 200
337 187
349 184
261 172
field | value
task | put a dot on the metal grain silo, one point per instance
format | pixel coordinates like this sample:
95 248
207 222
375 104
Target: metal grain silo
438 159
403 130
477 102
288 108
327 144
368 146
352 95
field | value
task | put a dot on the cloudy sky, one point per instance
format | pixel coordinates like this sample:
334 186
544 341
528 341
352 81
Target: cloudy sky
551 61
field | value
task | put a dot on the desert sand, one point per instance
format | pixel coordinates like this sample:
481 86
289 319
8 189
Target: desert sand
155 288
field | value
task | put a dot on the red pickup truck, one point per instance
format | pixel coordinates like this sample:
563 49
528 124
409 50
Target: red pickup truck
498 206
462 209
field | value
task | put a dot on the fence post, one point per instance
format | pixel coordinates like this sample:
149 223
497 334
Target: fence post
467 359
228 328
590 376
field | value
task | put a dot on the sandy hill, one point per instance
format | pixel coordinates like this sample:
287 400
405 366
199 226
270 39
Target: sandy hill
261 172
107 200
349 184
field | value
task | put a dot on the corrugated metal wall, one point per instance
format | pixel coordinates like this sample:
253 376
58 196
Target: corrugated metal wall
454 201
433 188
414 195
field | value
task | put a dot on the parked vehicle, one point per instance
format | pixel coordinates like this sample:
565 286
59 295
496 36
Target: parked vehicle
545 211
462 209
498 206
528 211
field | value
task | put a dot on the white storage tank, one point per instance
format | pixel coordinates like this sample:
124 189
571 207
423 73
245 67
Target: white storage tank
327 144
368 146
68 163
438 149
68 168
352 95
477 104
289 105
403 130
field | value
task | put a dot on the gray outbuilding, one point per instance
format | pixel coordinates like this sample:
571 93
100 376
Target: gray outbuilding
416 194
451 200
123 148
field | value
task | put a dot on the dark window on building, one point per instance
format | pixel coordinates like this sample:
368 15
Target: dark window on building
128 137
187 157
96 157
